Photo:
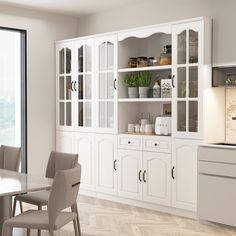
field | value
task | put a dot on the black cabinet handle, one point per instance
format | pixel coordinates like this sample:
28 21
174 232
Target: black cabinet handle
72 86
172 81
144 176
139 176
129 142
156 144
172 173
114 165
114 85
75 86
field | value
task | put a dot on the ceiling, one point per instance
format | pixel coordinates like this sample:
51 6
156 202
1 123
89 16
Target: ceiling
71 7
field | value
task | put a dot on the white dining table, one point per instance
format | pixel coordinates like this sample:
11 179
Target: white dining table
14 183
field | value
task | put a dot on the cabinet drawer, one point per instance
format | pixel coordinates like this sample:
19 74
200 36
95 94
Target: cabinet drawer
130 142
157 144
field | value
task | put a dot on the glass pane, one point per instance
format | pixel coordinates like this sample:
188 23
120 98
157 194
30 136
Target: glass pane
102 114
88 86
110 114
88 58
110 85
181 116
68 113
193 46
61 113
61 88
88 114
182 48
81 87
193 82
181 78
61 61
110 56
80 114
68 87
102 56
68 60
81 58
193 116
102 86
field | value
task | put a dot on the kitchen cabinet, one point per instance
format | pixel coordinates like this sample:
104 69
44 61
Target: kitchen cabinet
130 174
84 146
64 141
106 163
106 84
184 174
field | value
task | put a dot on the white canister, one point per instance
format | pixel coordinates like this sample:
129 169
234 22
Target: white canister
137 128
148 128
142 128
130 128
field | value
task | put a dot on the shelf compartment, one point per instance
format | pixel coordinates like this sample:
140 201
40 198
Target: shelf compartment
145 100
147 68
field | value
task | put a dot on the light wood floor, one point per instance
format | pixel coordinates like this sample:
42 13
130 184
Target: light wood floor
104 218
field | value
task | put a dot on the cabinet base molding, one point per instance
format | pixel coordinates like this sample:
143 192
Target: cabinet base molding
154 207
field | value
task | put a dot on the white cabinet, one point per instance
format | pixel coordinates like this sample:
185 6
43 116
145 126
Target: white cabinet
106 163
157 178
84 146
65 141
106 80
130 174
184 173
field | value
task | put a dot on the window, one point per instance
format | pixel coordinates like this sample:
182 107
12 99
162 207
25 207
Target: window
13 90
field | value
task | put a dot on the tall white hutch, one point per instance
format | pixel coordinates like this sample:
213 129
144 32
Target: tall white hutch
93 110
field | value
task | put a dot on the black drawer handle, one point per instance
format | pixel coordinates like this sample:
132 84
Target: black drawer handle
129 142
172 173
156 144
144 176
139 176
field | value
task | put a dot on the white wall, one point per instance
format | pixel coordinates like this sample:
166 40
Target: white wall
42 31
159 11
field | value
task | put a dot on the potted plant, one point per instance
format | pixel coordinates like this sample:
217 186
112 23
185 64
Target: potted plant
144 80
131 81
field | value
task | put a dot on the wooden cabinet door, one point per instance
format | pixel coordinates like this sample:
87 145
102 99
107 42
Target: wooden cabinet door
184 162
106 163
157 178
84 146
130 174
64 141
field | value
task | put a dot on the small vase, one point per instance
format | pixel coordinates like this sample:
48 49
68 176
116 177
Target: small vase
143 92
133 92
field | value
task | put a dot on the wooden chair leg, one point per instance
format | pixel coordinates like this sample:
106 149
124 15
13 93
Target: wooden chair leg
14 208
75 227
28 232
77 216
39 231
51 233
21 207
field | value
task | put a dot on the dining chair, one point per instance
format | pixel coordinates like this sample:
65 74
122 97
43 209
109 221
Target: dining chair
10 158
57 161
62 195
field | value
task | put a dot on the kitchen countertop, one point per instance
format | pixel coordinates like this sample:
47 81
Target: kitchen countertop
216 145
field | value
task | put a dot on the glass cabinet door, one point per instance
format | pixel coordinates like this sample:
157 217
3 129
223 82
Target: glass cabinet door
186 62
64 83
106 84
84 84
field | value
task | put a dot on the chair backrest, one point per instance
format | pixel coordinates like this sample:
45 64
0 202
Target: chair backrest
60 161
10 157
63 193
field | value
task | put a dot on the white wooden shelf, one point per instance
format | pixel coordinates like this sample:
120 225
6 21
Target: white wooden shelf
144 99
147 68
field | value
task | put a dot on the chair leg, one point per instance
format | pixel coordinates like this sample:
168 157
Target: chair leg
28 232
21 207
51 233
75 227
77 216
14 207
39 231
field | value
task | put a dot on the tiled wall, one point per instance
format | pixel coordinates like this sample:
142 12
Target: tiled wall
230 116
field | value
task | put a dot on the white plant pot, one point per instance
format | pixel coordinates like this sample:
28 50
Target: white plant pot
143 92
133 92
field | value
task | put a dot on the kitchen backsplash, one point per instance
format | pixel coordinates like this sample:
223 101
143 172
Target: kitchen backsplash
230 116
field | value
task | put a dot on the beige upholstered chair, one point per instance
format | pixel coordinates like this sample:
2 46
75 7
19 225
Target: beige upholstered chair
63 194
10 158
57 161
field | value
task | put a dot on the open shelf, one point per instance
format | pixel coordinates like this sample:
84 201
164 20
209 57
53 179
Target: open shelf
148 68
144 99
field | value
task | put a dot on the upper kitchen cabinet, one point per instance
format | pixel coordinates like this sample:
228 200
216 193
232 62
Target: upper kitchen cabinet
75 76
64 79
106 84
190 76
